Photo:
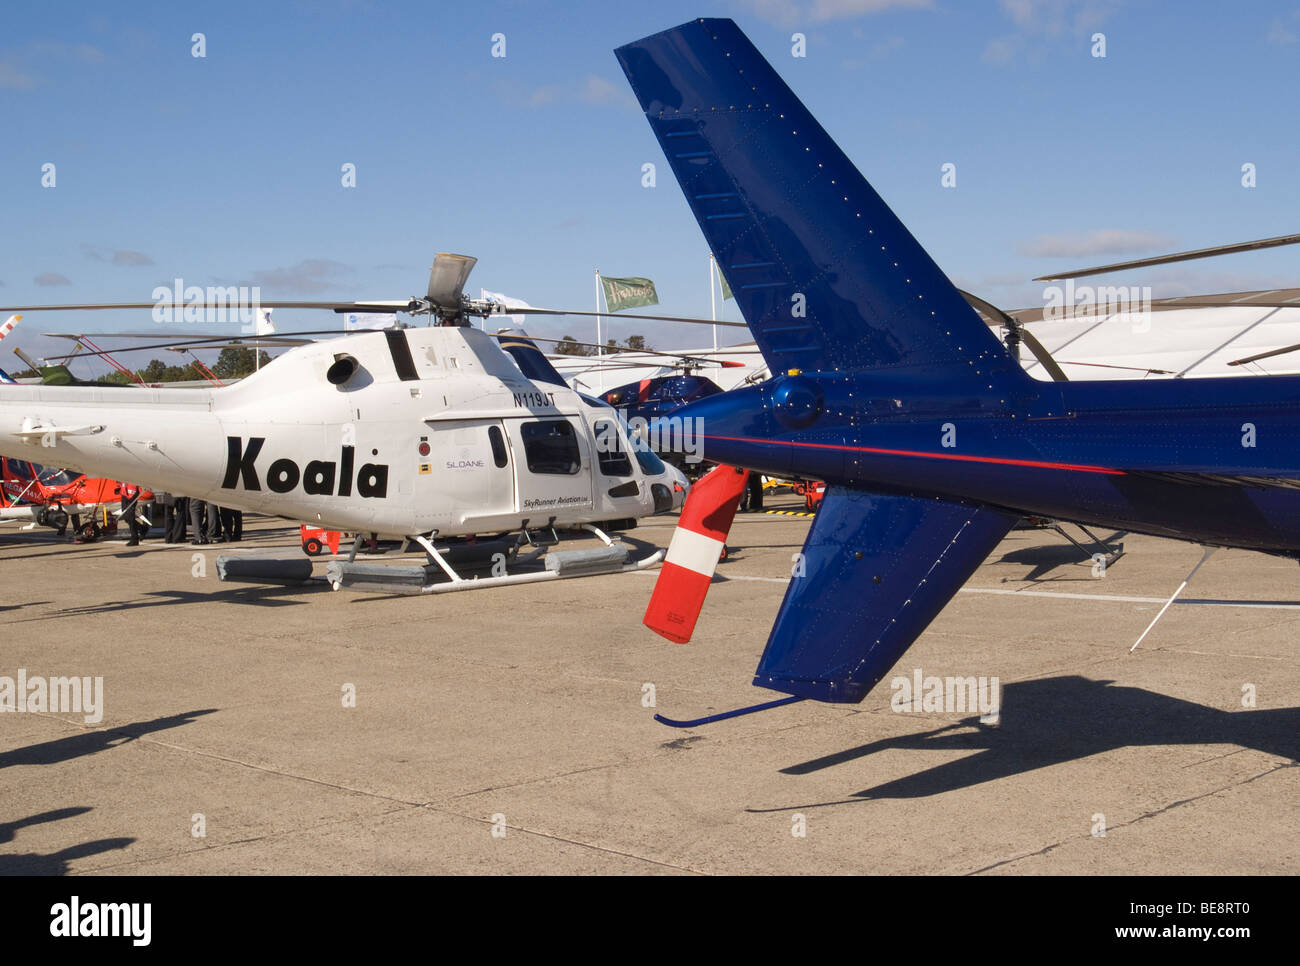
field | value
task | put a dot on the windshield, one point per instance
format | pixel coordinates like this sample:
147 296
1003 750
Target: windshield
50 477
651 464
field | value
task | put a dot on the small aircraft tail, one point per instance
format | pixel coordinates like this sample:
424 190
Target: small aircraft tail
824 273
532 362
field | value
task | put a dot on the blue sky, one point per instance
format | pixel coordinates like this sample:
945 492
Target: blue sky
226 169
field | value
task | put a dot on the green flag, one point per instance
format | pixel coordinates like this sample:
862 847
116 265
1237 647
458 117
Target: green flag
726 289
627 293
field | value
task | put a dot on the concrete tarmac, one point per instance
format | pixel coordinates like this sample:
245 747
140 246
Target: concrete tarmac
252 729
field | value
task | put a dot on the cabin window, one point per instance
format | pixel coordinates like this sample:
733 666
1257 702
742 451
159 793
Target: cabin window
551 446
611 455
498 446
650 462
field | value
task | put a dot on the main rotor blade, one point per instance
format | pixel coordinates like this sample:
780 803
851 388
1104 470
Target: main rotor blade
1015 325
86 351
1249 246
1264 355
376 306
609 349
381 306
620 315
280 341
1042 355
1108 365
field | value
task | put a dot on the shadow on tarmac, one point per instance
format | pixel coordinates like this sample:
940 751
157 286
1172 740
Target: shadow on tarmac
55 863
1055 720
91 742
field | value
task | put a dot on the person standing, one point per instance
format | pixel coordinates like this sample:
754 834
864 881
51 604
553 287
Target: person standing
137 529
213 533
182 519
168 501
175 517
197 507
232 524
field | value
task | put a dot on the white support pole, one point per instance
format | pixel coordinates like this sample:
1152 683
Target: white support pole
1209 551
600 345
713 302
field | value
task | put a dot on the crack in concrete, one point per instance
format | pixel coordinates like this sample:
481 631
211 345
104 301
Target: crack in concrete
1140 818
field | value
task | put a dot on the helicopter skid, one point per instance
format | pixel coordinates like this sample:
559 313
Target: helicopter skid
410 581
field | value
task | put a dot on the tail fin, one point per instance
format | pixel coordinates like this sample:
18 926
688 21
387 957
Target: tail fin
531 360
824 273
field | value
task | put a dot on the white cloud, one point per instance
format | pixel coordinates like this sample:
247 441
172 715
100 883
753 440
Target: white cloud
1000 50
121 256
13 77
791 13
825 10
1279 34
592 89
1038 21
49 279
82 52
309 276
597 90
14 72
1106 241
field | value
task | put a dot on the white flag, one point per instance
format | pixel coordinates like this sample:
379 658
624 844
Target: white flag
506 301
264 324
369 320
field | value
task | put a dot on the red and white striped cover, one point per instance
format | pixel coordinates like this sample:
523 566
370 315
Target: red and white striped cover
694 552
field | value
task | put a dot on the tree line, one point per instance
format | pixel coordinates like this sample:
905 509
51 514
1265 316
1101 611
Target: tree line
569 346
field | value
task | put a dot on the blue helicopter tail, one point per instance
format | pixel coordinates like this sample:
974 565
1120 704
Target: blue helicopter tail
828 279
824 273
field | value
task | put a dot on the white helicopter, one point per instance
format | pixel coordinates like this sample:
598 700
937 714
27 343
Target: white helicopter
421 433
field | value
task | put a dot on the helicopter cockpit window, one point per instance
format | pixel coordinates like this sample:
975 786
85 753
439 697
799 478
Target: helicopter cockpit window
499 456
650 462
18 469
611 454
551 446
50 477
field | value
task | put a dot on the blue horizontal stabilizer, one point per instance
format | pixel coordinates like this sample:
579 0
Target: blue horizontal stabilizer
875 571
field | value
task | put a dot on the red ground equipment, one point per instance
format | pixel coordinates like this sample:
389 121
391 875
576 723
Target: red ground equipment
812 492
317 542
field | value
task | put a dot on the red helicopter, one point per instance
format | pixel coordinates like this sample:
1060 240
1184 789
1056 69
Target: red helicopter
55 498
